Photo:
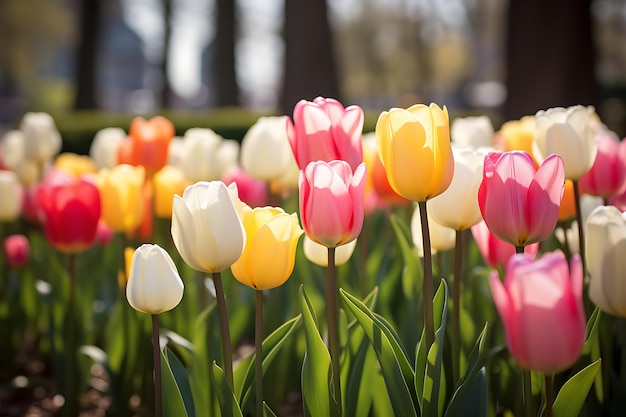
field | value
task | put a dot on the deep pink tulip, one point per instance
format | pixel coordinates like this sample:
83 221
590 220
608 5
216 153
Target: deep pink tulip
252 191
520 204
332 203
71 213
496 252
16 250
607 176
540 304
322 130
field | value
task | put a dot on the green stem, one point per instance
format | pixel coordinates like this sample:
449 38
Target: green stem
333 318
156 354
579 220
429 322
519 249
549 382
528 393
71 374
224 329
456 295
258 344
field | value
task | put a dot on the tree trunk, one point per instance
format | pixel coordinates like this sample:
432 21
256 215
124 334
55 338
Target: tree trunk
551 56
310 68
166 88
225 76
89 34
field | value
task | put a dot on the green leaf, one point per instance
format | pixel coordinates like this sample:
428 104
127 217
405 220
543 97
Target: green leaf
376 332
572 395
206 333
267 411
182 381
316 369
357 396
173 403
411 261
228 404
591 331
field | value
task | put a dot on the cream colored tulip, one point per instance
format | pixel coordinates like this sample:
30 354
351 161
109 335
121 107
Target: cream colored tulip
605 243
12 149
318 254
473 131
226 157
198 155
441 238
588 203
41 136
265 150
457 207
10 196
154 285
104 146
566 132
206 226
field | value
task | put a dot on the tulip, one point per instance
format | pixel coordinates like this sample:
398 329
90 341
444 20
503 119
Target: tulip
457 207
227 157
607 176
332 202
474 132
606 242
41 137
541 307
71 213
520 204
496 252
269 256
323 130
150 142
567 133
77 165
519 135
265 150
206 227
414 146
318 254
567 210
442 238
16 250
12 149
121 189
168 181
569 235
252 192
104 147
10 196
154 285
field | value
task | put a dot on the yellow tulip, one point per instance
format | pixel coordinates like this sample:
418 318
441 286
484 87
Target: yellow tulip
414 146
75 164
168 181
268 258
519 135
121 196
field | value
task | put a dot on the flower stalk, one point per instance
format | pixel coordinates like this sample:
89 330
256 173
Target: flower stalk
333 328
429 323
224 328
258 345
156 354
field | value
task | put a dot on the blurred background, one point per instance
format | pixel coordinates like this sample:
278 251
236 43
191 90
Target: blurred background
504 58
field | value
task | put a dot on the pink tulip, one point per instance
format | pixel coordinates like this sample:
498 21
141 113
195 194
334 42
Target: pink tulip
16 250
541 307
252 191
607 175
520 204
332 202
496 252
322 130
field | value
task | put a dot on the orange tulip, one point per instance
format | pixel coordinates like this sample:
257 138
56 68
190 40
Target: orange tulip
150 142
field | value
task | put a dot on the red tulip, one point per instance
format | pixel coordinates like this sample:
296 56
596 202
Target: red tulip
71 213
494 251
540 304
519 204
322 130
607 175
332 202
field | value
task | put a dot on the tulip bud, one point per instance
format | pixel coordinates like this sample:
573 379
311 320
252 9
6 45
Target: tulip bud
474 132
41 137
104 147
16 250
154 285
10 196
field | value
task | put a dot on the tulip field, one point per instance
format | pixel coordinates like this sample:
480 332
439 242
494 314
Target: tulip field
437 266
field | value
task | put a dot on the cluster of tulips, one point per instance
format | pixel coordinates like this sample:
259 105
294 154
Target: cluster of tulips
542 199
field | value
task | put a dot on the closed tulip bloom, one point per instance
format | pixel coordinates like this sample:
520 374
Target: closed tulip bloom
10 196
607 176
323 130
377 181
442 238
414 146
197 155
252 191
150 142
567 133
496 252
457 207
168 181
16 250
154 285
520 204
41 137
104 146
265 151
71 213
77 165
269 256
518 135
540 304
318 254
605 240
332 202
474 132
206 226
12 149
121 189
567 210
